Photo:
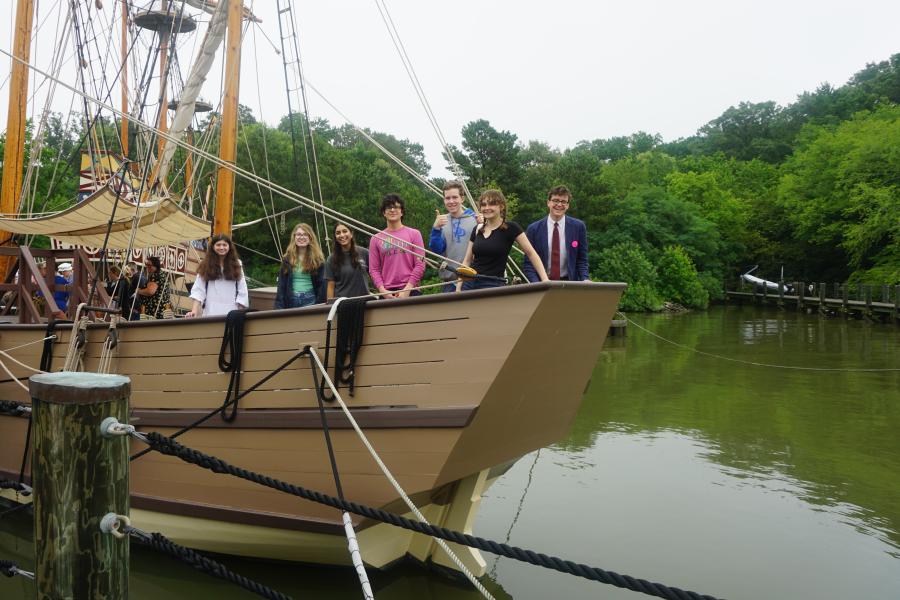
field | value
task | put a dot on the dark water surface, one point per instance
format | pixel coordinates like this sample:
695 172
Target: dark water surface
738 481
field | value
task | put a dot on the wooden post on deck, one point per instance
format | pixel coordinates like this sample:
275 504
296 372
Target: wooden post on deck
845 299
801 292
823 290
78 476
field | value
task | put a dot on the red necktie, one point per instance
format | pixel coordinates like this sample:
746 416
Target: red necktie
554 254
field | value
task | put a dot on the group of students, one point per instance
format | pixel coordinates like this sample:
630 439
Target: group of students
554 248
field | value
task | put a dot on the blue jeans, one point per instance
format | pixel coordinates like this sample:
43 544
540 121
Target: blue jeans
303 299
481 284
448 287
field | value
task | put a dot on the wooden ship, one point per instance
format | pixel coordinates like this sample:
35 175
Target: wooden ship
451 389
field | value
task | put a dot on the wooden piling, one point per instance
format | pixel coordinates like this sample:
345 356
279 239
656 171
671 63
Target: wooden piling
823 306
801 293
78 477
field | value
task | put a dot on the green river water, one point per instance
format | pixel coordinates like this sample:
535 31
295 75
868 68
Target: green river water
729 479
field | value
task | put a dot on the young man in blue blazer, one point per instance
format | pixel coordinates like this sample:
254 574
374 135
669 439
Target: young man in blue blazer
568 261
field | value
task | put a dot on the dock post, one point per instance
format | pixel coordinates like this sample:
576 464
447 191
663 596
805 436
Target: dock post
801 292
78 476
896 304
823 289
780 293
867 295
845 299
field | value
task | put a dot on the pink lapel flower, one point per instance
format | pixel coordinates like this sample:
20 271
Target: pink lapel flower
574 243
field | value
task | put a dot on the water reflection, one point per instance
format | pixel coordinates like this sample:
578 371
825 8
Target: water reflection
833 431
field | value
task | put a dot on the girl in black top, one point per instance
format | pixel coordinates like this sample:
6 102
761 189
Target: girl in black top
491 242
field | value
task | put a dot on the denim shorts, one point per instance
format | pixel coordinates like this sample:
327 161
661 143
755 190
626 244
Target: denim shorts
303 299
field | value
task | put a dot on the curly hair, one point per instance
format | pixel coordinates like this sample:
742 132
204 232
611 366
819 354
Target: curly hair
229 267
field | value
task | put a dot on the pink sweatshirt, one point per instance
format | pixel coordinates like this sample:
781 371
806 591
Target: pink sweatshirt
394 262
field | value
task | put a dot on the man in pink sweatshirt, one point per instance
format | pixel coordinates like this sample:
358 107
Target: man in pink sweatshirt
396 255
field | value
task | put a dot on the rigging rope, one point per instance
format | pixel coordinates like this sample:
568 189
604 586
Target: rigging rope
314 360
352 543
169 447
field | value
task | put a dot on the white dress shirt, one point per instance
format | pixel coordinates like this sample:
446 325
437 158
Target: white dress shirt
563 253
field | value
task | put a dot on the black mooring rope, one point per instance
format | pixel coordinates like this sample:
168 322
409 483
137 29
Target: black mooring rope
233 346
11 408
351 316
6 484
8 568
319 399
169 447
161 543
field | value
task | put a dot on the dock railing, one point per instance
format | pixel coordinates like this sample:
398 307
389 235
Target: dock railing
872 301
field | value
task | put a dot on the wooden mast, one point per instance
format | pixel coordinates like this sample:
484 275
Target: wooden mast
228 140
124 78
14 153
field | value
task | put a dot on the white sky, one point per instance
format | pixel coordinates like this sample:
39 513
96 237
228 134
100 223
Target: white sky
559 71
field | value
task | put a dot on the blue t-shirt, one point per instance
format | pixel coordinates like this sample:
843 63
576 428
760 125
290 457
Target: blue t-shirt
61 298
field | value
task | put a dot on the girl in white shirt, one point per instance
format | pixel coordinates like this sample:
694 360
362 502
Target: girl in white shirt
220 286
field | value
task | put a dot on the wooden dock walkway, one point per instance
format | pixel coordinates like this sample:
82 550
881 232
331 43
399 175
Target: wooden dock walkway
845 300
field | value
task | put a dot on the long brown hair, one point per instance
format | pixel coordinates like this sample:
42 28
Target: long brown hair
495 198
312 258
338 255
230 267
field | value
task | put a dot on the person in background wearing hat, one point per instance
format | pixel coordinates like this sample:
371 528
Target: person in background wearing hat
63 277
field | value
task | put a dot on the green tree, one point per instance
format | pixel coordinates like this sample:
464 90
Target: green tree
626 262
678 280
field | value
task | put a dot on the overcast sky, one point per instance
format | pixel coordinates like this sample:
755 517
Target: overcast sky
559 71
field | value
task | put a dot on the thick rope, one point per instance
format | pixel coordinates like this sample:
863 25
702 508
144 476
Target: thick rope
77 342
162 544
352 543
11 569
315 362
10 408
6 484
109 345
351 318
233 347
169 447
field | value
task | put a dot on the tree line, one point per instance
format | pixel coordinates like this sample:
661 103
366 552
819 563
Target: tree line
813 186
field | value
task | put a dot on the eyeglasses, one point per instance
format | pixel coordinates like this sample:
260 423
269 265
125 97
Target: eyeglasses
301 235
389 208
559 202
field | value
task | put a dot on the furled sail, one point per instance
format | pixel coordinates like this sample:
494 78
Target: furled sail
205 57
159 223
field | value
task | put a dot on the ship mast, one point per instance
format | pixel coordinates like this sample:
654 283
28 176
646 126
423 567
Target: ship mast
228 140
124 78
13 156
